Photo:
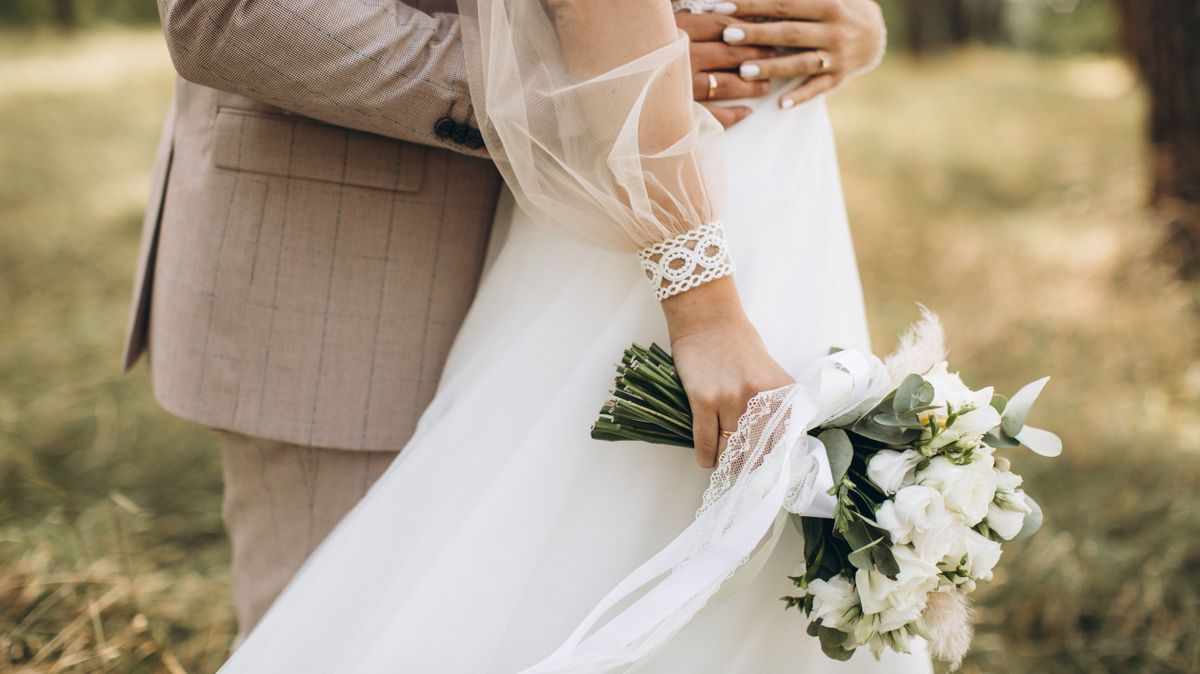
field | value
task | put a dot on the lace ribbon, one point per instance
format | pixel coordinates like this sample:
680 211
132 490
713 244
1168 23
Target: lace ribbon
770 465
687 260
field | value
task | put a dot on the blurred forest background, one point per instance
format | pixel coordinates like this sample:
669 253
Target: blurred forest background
1024 167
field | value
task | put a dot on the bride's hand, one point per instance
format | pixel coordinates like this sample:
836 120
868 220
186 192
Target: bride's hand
721 360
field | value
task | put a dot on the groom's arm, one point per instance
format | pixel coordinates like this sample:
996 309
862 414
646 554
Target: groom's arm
373 65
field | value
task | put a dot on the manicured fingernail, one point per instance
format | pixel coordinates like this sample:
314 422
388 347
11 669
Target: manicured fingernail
787 104
726 8
733 34
749 70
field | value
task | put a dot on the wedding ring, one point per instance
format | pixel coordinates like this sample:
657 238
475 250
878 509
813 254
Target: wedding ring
712 86
825 65
726 434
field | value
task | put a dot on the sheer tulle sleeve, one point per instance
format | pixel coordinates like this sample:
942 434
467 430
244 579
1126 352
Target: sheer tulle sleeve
586 107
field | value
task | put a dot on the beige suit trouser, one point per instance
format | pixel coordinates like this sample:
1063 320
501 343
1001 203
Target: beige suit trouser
281 500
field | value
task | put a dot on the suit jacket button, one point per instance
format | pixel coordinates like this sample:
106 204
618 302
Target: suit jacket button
474 139
459 135
444 127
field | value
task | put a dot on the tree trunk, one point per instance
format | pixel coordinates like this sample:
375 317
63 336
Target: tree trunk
65 16
936 25
1163 38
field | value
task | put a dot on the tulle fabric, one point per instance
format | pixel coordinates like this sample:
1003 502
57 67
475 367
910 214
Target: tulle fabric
502 523
586 152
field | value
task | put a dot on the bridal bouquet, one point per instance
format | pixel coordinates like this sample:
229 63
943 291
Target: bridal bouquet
921 501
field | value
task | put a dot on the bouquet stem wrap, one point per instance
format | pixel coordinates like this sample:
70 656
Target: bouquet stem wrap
770 464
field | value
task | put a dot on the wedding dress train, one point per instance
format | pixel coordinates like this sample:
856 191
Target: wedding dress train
502 523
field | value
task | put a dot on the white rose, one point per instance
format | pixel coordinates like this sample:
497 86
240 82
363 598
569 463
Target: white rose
897 601
939 537
913 509
1006 514
1006 480
948 387
835 602
982 554
890 469
966 490
968 429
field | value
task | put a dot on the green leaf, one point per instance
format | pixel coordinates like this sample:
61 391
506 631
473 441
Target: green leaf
812 628
885 561
1033 521
907 421
840 451
1017 410
1000 440
999 402
908 395
857 534
831 643
1040 441
888 435
862 557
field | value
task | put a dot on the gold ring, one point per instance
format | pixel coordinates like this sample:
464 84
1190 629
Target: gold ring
726 434
712 86
824 62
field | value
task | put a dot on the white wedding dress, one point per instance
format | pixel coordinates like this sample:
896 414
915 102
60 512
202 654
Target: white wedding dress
502 523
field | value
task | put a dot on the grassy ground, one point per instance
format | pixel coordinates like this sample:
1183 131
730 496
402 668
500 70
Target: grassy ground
1000 190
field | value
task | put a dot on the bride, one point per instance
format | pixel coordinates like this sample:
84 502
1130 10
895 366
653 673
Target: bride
502 523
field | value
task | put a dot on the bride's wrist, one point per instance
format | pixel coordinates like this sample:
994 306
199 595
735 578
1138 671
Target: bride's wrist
702 307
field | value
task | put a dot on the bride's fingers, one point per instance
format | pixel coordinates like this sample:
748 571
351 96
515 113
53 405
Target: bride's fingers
794 34
728 116
810 89
728 87
803 64
727 422
721 56
704 434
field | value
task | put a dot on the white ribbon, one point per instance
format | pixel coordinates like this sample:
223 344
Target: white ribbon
664 593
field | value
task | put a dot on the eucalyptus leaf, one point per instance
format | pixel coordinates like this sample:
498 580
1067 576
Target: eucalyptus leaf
1033 521
857 534
906 394
999 402
840 451
812 628
888 435
885 561
1016 412
906 421
831 643
862 558
1040 441
999 440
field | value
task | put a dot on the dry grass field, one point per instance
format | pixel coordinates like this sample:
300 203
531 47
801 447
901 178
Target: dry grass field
1000 189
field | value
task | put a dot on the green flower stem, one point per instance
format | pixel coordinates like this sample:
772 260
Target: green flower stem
647 414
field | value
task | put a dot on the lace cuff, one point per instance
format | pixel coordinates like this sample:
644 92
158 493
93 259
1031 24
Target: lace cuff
686 261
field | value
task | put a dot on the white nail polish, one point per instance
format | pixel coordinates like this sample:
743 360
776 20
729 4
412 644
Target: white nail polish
749 70
725 8
787 104
733 34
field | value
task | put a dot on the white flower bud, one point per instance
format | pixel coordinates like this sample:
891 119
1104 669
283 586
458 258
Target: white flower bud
890 470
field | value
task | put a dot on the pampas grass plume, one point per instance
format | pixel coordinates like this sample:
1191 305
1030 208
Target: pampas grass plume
947 619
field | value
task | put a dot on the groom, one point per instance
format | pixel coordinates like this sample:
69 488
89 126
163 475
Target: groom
319 214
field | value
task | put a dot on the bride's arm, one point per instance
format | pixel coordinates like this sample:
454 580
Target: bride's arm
586 107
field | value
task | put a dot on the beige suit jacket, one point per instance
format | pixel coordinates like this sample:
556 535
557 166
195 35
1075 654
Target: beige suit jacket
318 218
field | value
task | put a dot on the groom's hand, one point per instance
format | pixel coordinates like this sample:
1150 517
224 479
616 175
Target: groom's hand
715 66
838 39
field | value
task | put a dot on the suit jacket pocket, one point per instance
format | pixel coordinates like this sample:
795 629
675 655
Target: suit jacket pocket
297 147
